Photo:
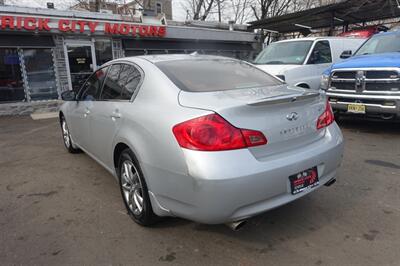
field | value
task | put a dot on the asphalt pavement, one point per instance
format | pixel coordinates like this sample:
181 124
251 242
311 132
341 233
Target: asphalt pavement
58 208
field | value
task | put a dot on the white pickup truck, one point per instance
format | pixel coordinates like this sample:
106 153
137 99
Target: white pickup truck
301 62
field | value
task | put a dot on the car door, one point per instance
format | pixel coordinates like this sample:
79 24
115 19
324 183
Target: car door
81 110
319 59
119 87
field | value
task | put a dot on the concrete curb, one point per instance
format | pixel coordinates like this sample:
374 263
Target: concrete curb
39 116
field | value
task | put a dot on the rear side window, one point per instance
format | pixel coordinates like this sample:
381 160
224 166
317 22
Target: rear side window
215 75
121 83
132 78
91 89
112 89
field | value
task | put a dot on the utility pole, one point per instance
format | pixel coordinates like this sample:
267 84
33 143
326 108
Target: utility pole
97 6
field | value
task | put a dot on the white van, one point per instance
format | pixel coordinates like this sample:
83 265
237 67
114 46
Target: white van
300 62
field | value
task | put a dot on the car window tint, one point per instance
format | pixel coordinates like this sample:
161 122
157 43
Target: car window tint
121 82
132 79
91 89
112 88
203 75
321 53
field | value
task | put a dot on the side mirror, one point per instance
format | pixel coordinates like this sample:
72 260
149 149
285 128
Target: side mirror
68 96
346 54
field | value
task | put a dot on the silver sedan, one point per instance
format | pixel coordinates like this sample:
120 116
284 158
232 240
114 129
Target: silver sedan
206 138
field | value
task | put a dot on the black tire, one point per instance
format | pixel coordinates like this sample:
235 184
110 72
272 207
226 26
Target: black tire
146 216
67 136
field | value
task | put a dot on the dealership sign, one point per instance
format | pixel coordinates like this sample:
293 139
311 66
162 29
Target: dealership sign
38 24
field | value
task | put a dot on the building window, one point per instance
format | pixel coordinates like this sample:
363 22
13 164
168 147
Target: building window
40 74
134 52
11 85
227 53
158 8
176 51
211 52
117 49
103 50
157 52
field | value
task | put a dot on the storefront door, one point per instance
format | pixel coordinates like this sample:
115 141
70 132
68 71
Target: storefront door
81 62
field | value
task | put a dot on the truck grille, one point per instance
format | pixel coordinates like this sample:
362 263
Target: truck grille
364 81
382 86
344 75
348 86
382 74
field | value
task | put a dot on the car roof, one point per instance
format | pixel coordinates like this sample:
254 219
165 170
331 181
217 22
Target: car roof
395 32
174 57
320 38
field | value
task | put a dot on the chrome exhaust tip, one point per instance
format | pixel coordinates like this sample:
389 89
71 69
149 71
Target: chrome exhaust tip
236 226
330 182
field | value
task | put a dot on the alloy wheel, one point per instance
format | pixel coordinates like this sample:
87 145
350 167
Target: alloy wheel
65 132
132 187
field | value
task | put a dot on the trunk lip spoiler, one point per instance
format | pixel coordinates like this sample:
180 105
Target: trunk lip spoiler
284 99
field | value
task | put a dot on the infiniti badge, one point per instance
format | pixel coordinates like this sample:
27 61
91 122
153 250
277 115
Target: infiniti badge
292 116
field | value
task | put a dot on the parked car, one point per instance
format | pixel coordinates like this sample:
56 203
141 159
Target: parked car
301 62
207 138
368 83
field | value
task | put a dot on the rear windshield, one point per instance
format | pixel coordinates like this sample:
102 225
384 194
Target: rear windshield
215 75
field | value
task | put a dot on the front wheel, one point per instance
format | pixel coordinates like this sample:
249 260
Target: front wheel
67 137
134 190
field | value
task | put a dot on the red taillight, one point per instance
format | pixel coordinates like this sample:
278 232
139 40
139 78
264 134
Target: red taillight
213 133
326 118
253 137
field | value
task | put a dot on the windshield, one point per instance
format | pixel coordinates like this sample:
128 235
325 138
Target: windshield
215 75
284 53
386 43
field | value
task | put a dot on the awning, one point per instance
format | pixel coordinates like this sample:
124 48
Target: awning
26 41
134 44
340 14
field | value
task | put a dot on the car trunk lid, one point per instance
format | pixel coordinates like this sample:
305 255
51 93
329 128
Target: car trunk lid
286 115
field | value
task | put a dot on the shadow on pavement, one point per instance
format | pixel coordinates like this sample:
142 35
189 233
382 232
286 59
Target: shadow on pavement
373 126
272 228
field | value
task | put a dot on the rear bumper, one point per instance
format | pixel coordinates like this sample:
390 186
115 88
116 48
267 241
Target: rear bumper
375 104
233 185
